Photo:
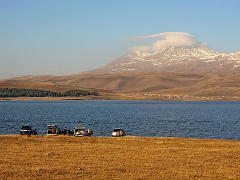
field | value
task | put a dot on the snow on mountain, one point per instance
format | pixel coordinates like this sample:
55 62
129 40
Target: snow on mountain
175 59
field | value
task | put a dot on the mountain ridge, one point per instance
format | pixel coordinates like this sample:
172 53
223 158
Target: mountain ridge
173 59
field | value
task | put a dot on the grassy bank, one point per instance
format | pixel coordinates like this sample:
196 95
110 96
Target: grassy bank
42 157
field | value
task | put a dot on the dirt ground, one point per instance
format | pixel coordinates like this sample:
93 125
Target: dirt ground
63 157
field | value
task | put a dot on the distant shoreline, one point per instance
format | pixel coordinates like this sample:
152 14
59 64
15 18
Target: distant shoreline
122 97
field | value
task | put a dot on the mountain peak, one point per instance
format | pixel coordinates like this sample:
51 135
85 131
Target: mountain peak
175 59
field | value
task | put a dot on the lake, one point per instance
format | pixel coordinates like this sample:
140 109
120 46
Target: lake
193 119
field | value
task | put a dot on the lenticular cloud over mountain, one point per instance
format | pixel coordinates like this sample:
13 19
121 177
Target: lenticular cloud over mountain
173 52
169 39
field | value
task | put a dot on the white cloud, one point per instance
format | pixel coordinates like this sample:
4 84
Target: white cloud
168 39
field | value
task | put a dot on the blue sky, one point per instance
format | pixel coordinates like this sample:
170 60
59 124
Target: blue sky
70 36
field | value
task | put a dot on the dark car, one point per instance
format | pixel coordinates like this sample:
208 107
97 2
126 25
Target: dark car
27 130
52 130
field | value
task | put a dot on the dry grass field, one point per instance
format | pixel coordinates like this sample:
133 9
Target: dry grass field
44 157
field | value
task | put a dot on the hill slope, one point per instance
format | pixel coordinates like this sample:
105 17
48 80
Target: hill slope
164 83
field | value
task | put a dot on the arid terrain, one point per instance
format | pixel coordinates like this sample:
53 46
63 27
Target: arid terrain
164 86
61 157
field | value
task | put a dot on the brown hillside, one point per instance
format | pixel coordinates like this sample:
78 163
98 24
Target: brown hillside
165 83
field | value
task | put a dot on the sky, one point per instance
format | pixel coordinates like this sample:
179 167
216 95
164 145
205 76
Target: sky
59 37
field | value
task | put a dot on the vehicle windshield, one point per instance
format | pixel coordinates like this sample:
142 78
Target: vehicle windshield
26 128
117 130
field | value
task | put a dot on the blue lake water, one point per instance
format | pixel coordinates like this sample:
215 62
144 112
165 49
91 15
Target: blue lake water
218 120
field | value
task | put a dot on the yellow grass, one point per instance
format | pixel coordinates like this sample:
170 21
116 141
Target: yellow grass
45 157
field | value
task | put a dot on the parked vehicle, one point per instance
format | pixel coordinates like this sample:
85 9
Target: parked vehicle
117 132
27 130
80 131
52 130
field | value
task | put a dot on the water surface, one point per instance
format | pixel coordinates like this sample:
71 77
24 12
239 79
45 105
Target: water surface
219 120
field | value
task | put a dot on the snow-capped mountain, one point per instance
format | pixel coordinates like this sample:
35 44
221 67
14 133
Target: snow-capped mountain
175 59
